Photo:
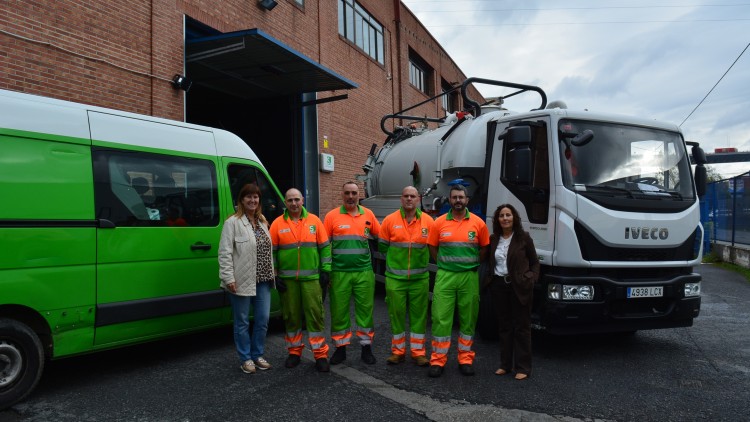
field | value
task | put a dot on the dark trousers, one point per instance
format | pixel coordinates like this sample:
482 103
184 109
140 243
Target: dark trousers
514 327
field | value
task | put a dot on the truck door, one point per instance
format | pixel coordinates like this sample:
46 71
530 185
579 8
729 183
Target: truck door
157 270
533 197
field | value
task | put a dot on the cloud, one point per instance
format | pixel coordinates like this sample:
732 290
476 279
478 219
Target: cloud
654 61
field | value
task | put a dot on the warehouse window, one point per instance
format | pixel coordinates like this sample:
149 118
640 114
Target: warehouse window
449 99
420 73
361 29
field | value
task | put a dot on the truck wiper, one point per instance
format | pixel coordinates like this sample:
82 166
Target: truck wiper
672 194
675 195
610 189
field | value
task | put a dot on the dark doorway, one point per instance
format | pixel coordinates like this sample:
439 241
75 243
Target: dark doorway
267 125
253 85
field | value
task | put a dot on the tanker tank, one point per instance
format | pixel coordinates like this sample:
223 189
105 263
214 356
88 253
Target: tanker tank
430 160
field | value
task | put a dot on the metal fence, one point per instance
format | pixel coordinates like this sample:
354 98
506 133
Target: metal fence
725 211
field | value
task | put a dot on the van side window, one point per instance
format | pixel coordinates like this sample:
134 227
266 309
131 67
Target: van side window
240 175
155 190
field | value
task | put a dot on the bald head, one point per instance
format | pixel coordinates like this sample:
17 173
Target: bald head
293 191
350 195
409 200
294 201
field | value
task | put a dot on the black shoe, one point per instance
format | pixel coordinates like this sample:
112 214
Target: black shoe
435 371
339 355
292 361
466 369
322 365
367 356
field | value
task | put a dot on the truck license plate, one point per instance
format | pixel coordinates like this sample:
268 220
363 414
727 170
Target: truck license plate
638 292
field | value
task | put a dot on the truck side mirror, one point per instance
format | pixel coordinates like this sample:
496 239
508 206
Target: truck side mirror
517 167
701 174
699 156
701 179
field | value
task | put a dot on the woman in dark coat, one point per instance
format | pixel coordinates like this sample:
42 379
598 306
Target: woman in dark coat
512 271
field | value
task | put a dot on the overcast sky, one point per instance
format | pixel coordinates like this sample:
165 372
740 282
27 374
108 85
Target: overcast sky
649 58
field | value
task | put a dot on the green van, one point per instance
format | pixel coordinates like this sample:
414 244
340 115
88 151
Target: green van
109 230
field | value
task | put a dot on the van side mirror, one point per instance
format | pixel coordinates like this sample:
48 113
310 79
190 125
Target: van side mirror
517 167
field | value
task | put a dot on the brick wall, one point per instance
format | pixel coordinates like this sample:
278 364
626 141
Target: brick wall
96 52
123 55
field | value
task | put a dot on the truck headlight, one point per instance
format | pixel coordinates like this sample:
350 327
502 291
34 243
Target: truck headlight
570 292
692 289
583 292
553 291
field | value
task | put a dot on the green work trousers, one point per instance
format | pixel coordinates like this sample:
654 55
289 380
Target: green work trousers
410 296
344 285
303 301
453 289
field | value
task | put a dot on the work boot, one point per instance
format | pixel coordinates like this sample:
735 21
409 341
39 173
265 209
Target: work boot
435 371
466 369
322 365
395 359
367 356
421 360
292 361
339 355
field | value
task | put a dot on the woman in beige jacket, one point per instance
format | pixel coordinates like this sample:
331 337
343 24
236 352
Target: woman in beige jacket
247 273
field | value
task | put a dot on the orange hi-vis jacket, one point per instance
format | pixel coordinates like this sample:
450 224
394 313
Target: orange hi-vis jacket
301 249
405 245
459 242
349 238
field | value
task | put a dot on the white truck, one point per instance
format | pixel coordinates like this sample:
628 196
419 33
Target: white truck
610 201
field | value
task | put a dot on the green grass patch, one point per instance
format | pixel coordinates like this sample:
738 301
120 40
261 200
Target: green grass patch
736 268
712 258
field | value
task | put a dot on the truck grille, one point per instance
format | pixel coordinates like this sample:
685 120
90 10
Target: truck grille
593 250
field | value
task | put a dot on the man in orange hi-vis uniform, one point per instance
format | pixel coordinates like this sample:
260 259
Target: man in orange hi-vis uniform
458 242
403 239
350 227
302 255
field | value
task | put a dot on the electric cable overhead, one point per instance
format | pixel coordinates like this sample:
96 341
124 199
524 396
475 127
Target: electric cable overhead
717 83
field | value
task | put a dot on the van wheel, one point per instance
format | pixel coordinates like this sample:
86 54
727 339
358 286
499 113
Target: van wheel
21 361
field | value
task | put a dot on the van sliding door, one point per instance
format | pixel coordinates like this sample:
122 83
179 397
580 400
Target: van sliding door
157 259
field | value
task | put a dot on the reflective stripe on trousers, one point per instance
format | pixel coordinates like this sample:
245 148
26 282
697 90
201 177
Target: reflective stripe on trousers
398 344
365 335
341 338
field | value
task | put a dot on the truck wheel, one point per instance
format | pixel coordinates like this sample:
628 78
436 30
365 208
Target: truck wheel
21 361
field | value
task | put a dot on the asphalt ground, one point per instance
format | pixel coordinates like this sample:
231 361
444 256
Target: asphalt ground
684 374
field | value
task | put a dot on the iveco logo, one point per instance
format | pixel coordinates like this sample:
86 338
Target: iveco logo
646 233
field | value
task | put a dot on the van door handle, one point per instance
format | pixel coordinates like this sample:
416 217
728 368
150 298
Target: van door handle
200 246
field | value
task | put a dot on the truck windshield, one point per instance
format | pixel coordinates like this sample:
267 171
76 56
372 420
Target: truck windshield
625 161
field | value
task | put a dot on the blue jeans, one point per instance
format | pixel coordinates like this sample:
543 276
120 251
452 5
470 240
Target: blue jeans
250 346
